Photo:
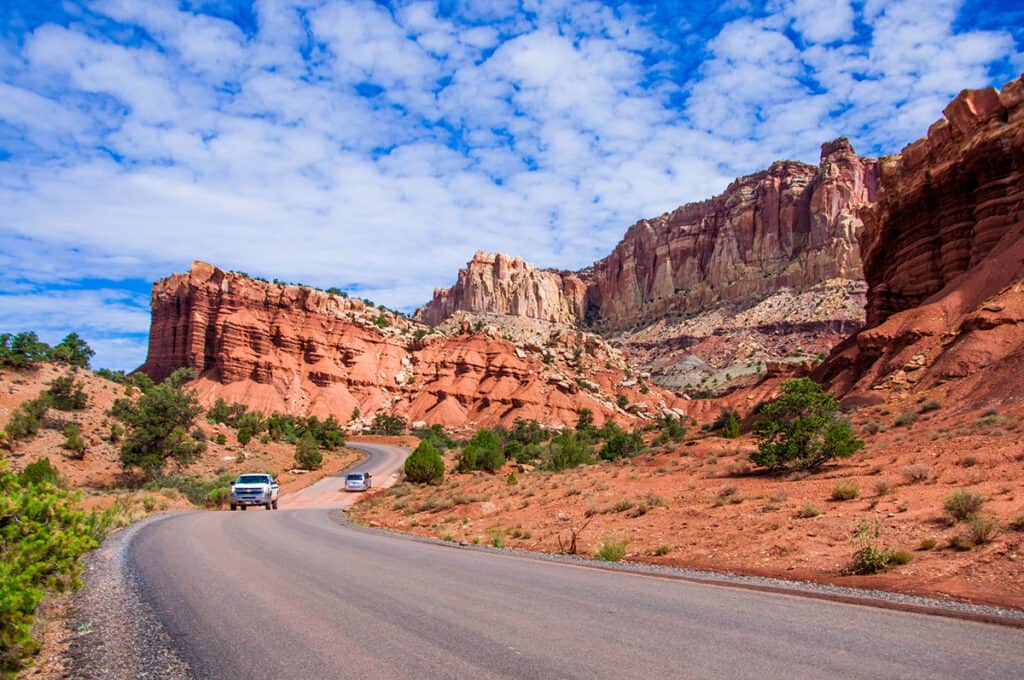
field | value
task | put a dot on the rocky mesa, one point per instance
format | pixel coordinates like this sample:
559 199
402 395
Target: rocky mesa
713 291
943 253
296 349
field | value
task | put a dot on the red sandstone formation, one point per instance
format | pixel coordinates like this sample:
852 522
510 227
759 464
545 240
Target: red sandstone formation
944 258
499 284
790 225
295 349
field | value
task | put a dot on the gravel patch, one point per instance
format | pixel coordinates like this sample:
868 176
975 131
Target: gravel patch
114 632
871 598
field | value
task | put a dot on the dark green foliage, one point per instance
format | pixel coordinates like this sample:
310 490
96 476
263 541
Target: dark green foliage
72 350
869 558
208 493
142 382
180 377
27 419
307 453
116 432
484 451
73 440
66 394
22 350
622 402
964 504
436 435
381 321
731 426
244 435
567 450
118 377
425 464
42 537
621 444
671 428
327 433
386 424
158 429
585 424
40 472
528 432
221 438
802 429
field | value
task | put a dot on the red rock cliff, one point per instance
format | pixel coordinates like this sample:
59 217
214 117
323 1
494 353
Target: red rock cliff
943 254
499 284
790 225
295 349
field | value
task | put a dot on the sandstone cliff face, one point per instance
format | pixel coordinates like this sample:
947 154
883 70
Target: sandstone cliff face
499 284
944 257
791 225
294 349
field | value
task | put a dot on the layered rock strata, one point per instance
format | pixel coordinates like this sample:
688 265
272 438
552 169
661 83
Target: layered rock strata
498 284
295 349
943 254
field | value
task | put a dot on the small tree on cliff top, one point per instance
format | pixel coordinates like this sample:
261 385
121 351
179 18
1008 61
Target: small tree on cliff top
802 429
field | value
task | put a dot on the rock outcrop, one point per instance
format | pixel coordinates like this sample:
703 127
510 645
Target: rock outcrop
498 284
943 254
295 349
792 225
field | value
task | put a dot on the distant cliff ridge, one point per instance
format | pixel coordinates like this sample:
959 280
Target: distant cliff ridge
791 225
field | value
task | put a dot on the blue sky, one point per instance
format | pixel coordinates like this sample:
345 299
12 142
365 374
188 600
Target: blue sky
375 146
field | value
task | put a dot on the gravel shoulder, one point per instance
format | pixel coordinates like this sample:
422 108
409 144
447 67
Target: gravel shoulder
114 632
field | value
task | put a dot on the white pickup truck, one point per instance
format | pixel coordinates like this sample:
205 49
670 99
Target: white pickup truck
254 489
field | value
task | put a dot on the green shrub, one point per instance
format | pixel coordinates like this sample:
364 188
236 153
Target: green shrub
802 429
671 428
307 453
613 549
622 402
927 544
809 510
661 551
73 440
27 419
221 438
72 350
567 450
425 464
622 444
386 424
964 504
960 543
158 429
869 558
730 425
199 492
905 419
1017 523
244 436
930 405
981 529
66 394
116 432
22 350
42 537
41 471
845 491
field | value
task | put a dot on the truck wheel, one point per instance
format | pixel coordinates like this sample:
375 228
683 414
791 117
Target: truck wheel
268 506
275 505
244 508
233 507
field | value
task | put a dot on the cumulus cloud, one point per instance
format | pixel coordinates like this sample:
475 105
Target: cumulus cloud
376 146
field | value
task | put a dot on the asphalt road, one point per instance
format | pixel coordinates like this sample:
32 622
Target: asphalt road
294 594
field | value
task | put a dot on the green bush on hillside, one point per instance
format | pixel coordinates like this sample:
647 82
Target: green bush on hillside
425 464
42 537
158 425
802 429
307 453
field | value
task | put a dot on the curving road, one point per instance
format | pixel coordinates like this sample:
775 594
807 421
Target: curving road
295 594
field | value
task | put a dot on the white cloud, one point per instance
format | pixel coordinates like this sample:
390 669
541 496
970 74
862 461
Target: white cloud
542 132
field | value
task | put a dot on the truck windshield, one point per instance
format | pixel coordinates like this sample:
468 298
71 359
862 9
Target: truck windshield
253 479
